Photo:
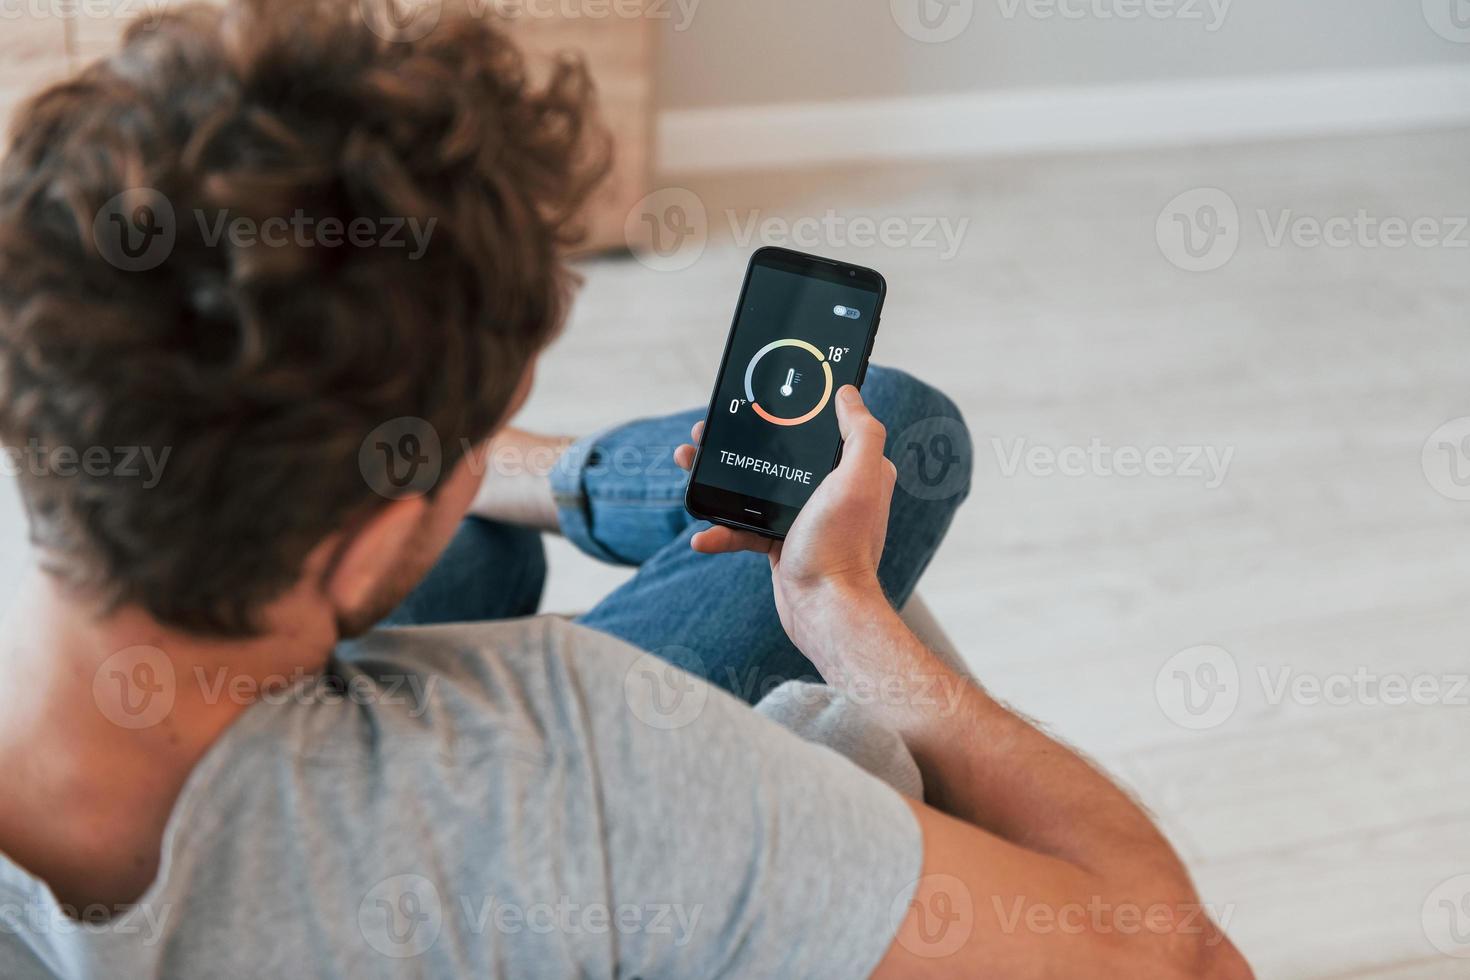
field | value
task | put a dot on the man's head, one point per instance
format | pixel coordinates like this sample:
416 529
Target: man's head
272 245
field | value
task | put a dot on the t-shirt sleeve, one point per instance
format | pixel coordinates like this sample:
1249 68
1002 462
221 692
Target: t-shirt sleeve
763 855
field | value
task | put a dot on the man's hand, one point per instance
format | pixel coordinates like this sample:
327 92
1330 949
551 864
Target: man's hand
1014 819
828 564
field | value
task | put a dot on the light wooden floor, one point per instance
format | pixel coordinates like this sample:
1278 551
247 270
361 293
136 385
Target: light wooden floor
1320 829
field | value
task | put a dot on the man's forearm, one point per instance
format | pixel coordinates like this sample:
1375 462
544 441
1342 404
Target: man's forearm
989 766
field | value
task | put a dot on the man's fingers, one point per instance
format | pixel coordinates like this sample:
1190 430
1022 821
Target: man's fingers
720 540
684 455
862 435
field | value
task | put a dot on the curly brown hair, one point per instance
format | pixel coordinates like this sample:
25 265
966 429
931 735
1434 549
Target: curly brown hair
260 369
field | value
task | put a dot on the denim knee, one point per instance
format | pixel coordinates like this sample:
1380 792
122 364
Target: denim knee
928 439
508 553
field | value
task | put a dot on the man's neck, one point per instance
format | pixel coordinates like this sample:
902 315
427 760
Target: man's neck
110 715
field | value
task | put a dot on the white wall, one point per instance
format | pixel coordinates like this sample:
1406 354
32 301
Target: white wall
743 52
750 84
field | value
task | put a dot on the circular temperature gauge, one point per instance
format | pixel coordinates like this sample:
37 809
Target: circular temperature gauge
790 381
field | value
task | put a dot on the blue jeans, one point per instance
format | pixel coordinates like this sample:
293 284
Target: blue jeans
621 499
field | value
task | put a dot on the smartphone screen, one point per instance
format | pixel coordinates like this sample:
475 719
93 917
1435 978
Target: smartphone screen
803 328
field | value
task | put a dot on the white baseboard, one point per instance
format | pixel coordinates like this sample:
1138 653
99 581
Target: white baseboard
978 124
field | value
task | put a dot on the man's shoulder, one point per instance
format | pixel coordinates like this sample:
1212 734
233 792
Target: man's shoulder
471 721
529 644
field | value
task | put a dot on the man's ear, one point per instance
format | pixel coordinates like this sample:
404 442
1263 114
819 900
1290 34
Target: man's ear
363 557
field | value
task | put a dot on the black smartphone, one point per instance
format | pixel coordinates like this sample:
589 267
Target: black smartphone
804 327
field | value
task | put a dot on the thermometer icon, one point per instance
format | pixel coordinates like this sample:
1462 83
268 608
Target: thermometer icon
793 378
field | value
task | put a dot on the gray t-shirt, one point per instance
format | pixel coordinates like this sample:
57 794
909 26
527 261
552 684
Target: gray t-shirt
518 799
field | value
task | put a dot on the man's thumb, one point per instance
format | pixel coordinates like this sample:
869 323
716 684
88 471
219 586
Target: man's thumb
861 433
